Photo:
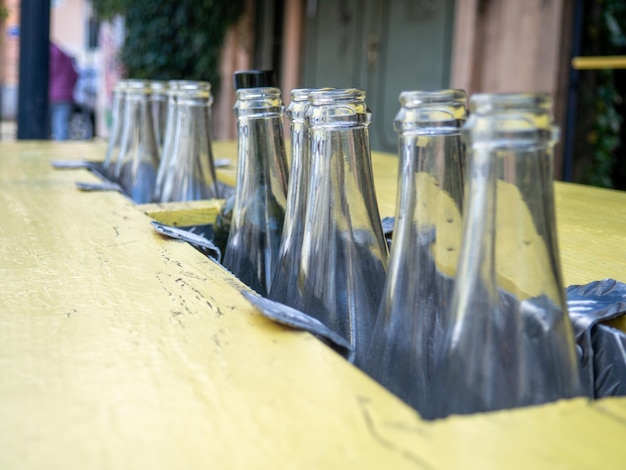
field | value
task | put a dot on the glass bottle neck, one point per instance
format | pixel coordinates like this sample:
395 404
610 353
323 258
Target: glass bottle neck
337 108
428 113
259 102
510 120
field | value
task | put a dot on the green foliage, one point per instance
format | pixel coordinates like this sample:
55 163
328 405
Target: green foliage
108 9
602 104
605 133
168 40
4 13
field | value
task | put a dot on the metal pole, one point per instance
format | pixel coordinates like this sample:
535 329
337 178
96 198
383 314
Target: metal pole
32 101
572 98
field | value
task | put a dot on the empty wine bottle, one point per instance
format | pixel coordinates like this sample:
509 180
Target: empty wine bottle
136 167
115 137
190 171
344 254
262 177
426 243
170 138
510 343
284 288
158 104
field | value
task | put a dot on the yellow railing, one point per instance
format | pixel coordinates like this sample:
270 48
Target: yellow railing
599 62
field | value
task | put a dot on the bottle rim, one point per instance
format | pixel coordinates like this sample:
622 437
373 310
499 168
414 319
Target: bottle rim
485 103
258 93
158 85
120 85
416 98
334 95
137 87
301 94
183 84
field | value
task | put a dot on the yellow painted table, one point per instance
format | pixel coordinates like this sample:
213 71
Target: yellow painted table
123 349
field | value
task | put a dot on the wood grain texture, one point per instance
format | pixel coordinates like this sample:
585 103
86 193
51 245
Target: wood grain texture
505 46
120 348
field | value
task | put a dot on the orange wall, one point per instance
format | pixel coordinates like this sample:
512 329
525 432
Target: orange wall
67 29
68 24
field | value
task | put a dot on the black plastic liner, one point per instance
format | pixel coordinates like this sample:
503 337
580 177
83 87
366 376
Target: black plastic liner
602 347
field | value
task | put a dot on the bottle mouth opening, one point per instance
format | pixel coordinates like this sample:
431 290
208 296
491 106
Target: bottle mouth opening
195 101
188 84
415 98
158 85
247 94
485 103
303 94
335 95
137 87
193 92
121 85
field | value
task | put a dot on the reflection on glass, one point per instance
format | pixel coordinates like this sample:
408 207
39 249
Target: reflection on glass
511 341
190 174
426 242
344 254
117 115
136 168
261 189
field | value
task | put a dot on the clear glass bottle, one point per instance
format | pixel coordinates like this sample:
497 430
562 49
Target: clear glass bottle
139 156
344 254
170 142
168 137
117 116
426 242
511 342
158 104
191 172
261 188
288 262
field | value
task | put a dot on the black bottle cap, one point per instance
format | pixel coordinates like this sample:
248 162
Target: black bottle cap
255 79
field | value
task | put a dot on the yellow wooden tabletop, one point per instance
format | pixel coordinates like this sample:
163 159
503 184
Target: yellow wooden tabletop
120 348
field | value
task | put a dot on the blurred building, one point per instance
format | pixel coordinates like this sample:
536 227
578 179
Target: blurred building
387 46
72 28
382 46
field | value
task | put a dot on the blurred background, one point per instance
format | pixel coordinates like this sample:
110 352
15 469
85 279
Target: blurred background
382 46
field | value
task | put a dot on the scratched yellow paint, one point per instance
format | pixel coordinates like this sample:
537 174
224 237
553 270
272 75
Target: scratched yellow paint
184 213
120 348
